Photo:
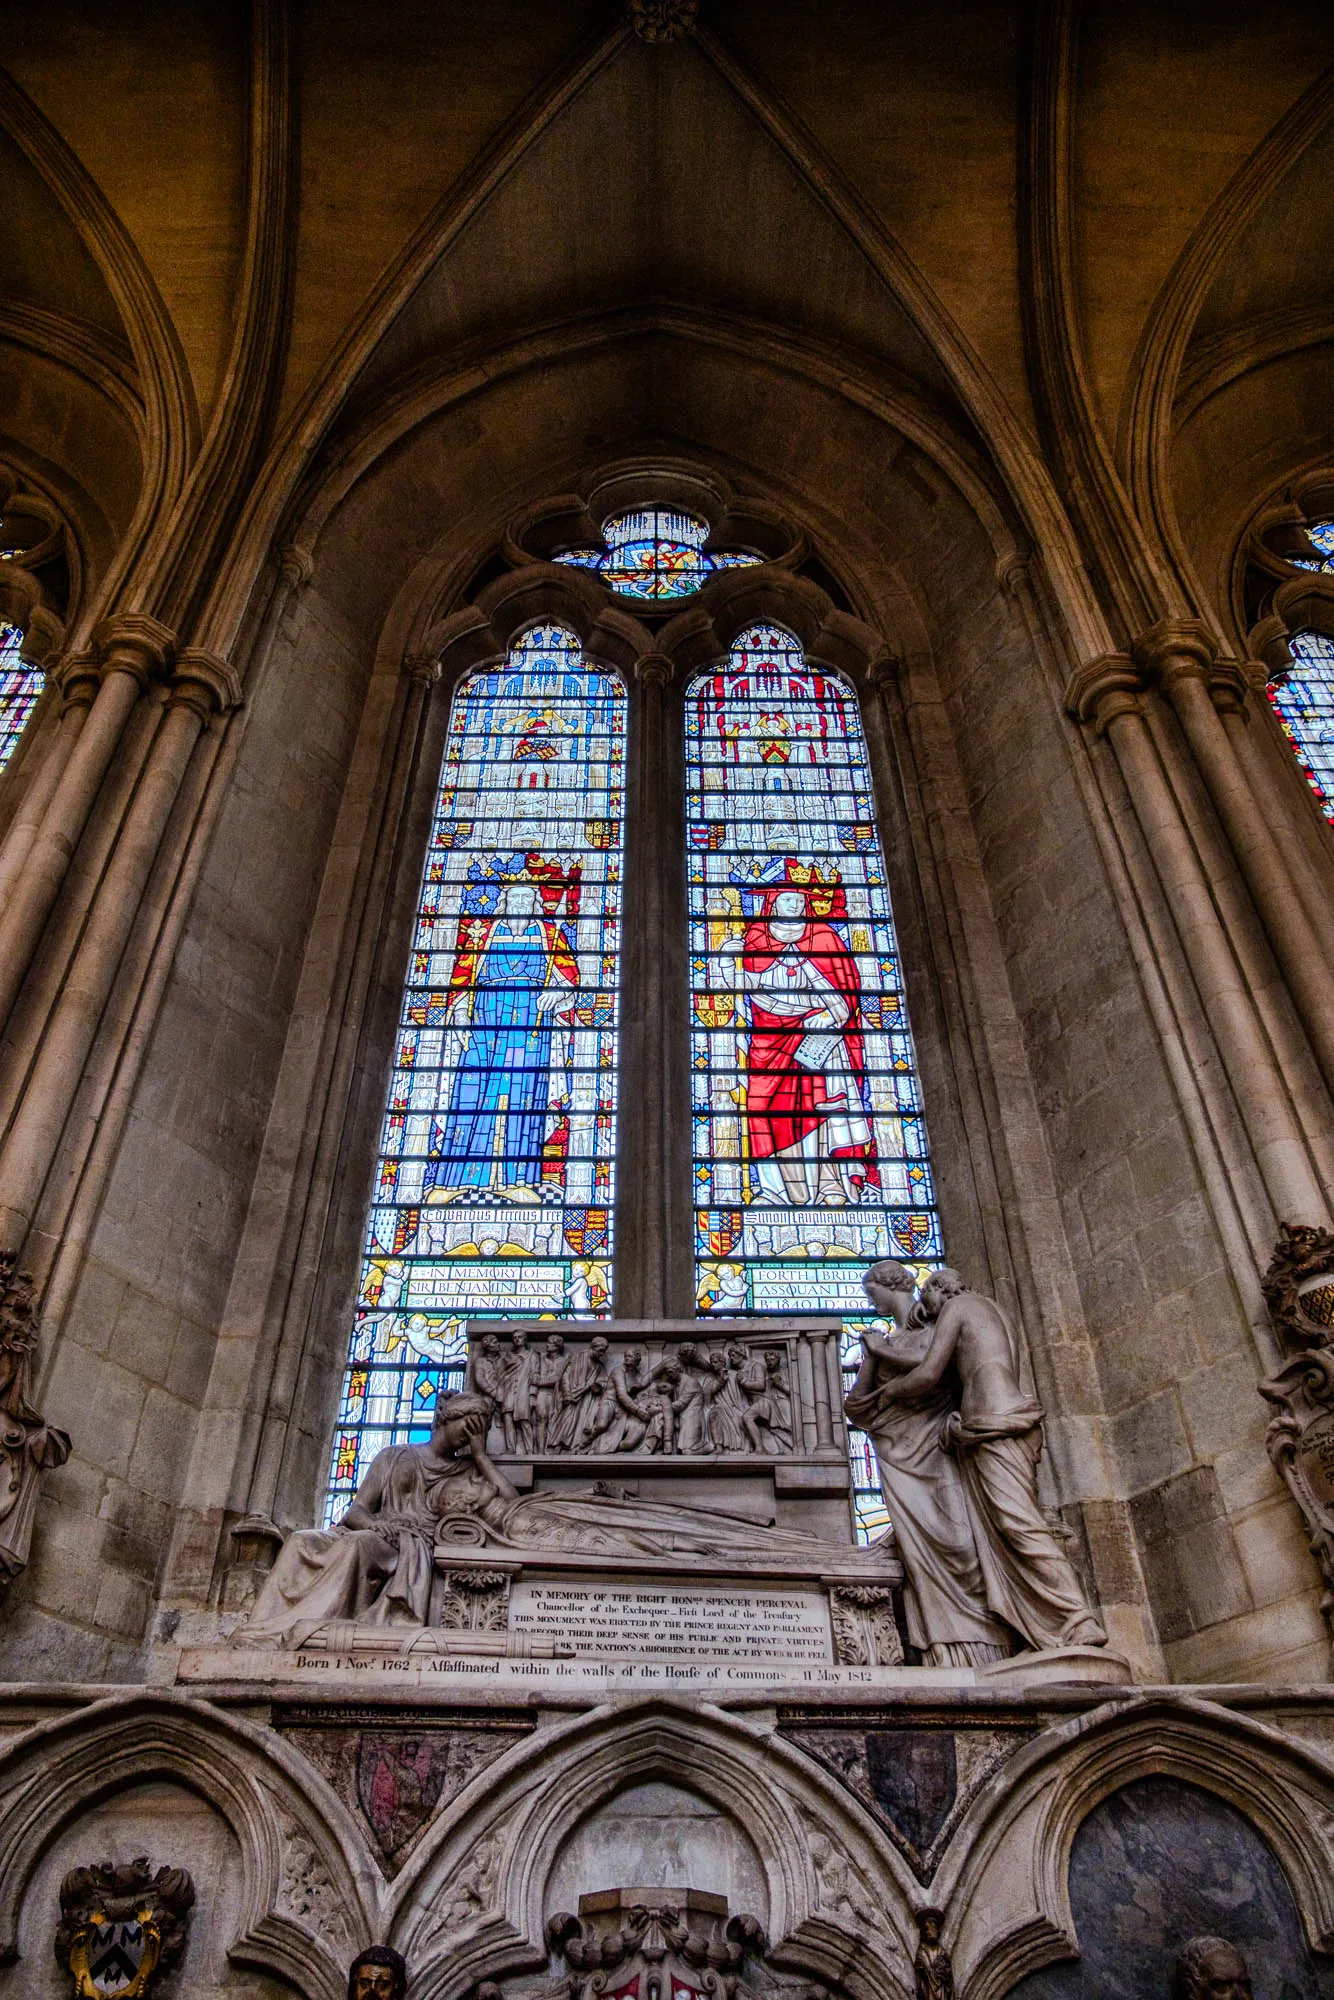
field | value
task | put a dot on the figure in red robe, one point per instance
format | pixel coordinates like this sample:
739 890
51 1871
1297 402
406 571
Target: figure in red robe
808 1131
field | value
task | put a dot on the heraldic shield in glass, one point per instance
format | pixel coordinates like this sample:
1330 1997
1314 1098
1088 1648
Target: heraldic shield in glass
494 1190
810 1153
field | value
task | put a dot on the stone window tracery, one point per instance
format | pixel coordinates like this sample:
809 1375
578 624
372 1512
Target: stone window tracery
656 553
494 1191
810 1148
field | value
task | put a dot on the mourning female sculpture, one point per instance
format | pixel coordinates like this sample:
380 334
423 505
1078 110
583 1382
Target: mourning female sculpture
944 1596
375 1566
996 1436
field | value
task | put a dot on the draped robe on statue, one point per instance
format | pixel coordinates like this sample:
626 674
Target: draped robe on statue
492 1132
799 1109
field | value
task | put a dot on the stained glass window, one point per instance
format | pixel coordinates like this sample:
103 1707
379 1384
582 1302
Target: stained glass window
1321 536
1304 703
810 1150
20 686
656 552
494 1190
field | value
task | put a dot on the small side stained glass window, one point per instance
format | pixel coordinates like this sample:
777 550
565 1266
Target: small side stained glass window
494 1193
20 685
1303 701
1320 534
810 1148
656 552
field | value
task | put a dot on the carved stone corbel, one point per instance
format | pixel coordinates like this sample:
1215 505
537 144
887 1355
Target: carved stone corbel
121 1926
866 1633
1299 1292
28 1444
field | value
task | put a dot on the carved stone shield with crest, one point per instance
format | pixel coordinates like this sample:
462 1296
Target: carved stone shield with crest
120 1926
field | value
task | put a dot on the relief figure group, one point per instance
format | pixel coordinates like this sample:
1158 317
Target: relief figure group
692 1400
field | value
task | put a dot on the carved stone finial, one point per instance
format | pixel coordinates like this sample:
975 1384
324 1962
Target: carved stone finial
1210 1966
662 20
121 1926
28 1444
377 1974
933 1968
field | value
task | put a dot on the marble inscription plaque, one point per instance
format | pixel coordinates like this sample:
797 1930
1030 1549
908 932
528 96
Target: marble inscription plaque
619 1621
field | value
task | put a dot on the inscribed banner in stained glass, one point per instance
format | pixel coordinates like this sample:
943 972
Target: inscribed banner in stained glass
494 1189
810 1150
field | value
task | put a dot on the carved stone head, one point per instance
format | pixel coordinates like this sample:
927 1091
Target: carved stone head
890 1286
378 1974
1212 1969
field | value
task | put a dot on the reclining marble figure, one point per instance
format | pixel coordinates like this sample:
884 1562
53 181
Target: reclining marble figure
375 1567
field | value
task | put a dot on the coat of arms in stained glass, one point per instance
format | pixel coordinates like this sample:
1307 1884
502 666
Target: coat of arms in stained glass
656 552
20 686
494 1188
810 1154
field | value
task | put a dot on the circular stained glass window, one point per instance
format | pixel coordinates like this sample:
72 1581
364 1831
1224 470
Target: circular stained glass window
656 553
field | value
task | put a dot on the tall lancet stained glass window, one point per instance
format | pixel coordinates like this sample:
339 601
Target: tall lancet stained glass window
494 1190
810 1145
20 686
1304 703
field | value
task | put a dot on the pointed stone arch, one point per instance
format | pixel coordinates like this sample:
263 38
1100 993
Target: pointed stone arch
297 1843
536 1796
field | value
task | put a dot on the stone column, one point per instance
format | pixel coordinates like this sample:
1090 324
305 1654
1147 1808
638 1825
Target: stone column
76 681
1108 694
202 686
132 649
1181 655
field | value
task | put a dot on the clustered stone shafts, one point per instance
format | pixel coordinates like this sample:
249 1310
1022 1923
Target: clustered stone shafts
692 1401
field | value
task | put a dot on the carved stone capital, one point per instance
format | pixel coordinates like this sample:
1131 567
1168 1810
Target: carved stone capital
424 668
204 682
1269 640
1229 684
133 643
1176 649
1103 689
42 637
884 670
77 678
296 565
653 669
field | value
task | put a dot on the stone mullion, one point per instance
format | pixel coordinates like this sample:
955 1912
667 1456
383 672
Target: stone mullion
202 686
653 1233
1109 695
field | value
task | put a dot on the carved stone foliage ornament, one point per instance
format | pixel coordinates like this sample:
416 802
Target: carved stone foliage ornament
121 1926
655 1944
865 1631
28 1444
662 20
1299 1291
